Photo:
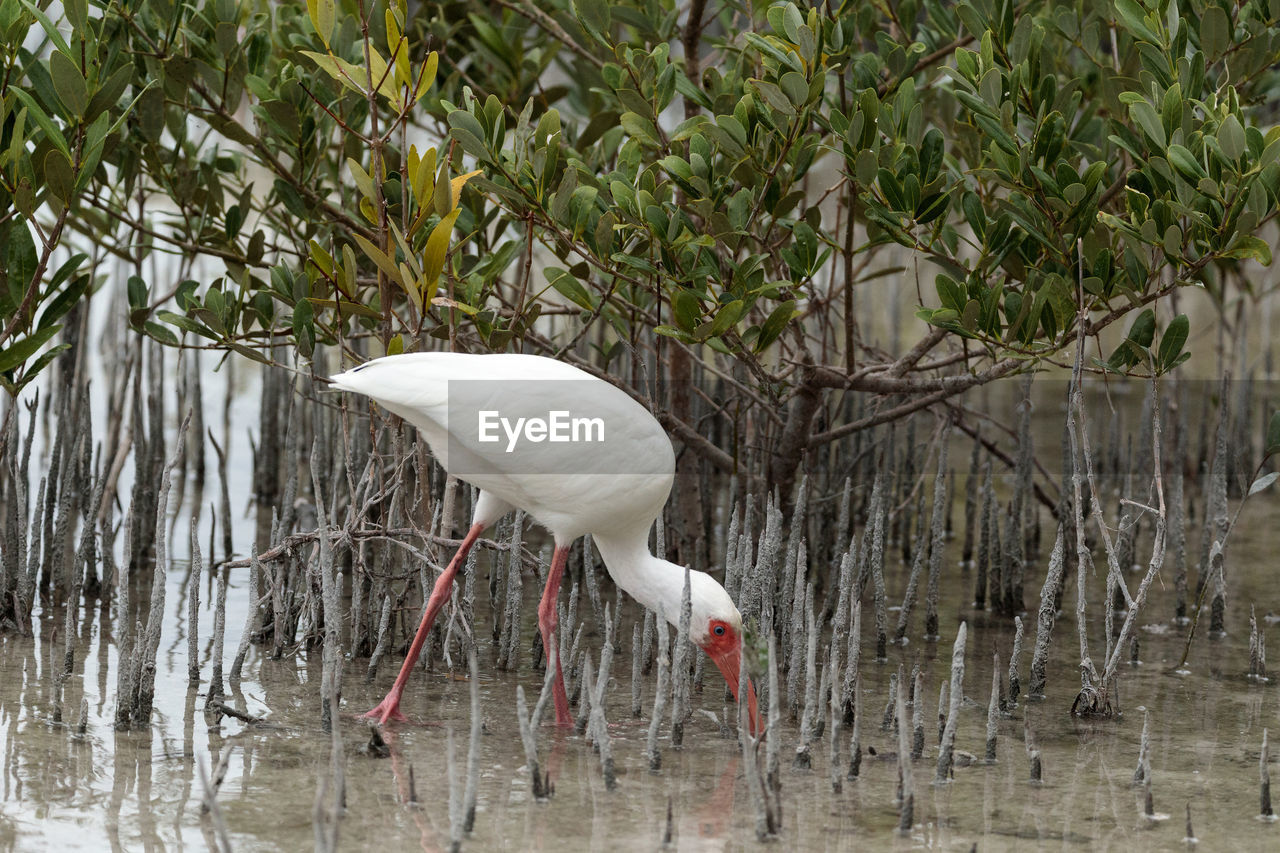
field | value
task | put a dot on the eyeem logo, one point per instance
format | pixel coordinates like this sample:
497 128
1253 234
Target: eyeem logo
549 427
556 427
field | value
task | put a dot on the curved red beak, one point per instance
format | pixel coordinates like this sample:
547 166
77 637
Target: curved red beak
730 665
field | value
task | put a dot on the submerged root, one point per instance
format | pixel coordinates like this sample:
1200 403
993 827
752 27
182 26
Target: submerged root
1094 703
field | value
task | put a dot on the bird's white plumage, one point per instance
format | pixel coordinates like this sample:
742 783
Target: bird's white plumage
572 488
613 490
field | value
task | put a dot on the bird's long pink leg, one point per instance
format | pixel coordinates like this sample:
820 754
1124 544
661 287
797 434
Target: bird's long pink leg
548 618
389 707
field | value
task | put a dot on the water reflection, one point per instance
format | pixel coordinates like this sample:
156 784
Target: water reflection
142 790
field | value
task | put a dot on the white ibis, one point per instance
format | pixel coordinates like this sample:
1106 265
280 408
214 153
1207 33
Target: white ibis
578 455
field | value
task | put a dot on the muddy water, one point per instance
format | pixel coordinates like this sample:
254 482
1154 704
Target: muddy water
60 790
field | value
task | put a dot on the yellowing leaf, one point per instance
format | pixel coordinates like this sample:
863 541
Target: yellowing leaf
356 78
433 256
446 302
410 257
421 174
364 182
382 259
339 69
442 193
459 182
399 47
321 12
427 76
385 82
412 287
393 31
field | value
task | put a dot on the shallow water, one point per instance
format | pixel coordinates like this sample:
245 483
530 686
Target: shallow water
141 790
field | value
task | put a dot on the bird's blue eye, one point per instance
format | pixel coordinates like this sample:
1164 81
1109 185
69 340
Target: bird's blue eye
719 630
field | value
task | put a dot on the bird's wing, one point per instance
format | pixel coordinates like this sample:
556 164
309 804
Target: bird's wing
540 434
432 386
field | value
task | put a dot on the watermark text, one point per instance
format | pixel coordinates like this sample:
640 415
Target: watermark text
558 426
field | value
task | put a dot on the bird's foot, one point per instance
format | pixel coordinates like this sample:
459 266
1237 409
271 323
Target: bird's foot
388 710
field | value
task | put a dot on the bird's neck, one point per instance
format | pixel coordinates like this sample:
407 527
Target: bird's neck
652 581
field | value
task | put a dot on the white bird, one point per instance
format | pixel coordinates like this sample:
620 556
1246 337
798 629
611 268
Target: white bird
578 455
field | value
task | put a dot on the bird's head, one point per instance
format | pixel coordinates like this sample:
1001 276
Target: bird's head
716 627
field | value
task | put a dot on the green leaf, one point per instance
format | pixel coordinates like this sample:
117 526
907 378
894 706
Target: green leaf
1185 162
1171 108
33 368
151 113
991 88
570 288
1248 246
1231 138
1133 16
66 299
255 355
187 324
51 131
727 316
771 94
974 213
931 207
944 318
137 291
775 324
1144 115
304 327
163 334
69 84
1143 330
50 29
931 150
1215 31
470 134
686 310
865 167
20 260
564 194
65 271
1172 241
623 195
768 47
640 128
1172 342
1273 435
465 121
18 353
997 133
593 13
77 12
58 175
950 293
